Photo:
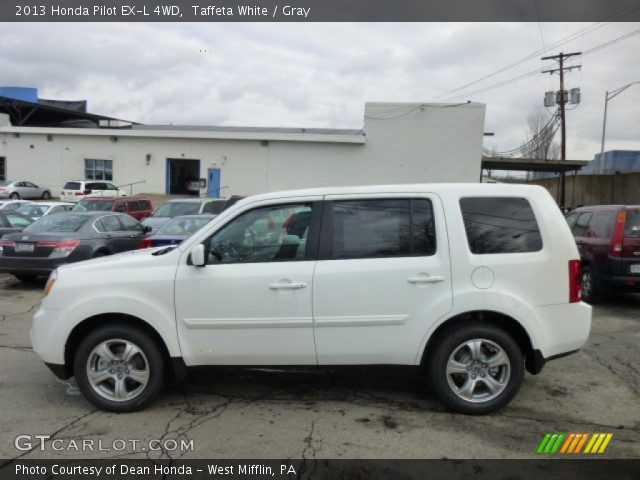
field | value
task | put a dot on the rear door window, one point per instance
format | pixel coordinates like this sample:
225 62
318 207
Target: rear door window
582 224
71 186
382 228
500 225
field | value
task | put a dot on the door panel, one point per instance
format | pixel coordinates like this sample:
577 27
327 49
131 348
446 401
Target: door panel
377 310
213 183
251 304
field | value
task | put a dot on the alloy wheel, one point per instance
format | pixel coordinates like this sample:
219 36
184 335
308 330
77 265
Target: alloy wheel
118 370
478 370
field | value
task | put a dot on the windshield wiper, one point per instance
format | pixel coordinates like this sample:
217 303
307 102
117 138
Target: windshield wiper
163 251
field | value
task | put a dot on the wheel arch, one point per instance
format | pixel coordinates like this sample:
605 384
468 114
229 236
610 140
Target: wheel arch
175 366
533 357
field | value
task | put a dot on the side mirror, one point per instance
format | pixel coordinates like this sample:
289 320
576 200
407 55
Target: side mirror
197 255
146 229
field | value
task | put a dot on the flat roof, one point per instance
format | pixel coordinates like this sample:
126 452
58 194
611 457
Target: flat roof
319 135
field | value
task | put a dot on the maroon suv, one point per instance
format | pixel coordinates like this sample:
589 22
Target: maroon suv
608 238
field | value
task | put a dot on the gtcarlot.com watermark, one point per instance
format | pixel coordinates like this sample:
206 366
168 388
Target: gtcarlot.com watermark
27 443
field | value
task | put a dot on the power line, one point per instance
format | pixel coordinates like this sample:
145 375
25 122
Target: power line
580 33
537 71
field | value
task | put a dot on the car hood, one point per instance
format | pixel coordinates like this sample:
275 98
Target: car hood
155 222
115 262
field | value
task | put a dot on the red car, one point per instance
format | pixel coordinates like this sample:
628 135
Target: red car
137 206
608 239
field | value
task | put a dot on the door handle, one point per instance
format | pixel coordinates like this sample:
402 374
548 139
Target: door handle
287 286
426 279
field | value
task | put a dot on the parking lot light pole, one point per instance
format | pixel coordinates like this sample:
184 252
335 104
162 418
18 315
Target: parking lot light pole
609 96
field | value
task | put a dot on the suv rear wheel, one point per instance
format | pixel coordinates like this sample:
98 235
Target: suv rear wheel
476 369
119 368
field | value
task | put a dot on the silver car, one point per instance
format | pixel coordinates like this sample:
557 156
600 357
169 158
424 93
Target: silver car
23 189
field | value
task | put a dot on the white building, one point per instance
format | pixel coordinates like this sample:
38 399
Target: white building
400 143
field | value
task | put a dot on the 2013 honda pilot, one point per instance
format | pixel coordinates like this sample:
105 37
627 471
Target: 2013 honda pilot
475 283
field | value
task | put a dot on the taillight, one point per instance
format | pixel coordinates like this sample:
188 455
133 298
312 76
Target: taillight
65 247
575 281
6 243
79 193
618 235
146 243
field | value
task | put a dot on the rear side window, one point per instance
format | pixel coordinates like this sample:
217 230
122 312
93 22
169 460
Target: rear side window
582 224
500 225
605 221
382 228
145 205
71 186
632 225
134 206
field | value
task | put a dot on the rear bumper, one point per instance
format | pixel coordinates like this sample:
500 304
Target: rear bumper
32 266
626 283
564 328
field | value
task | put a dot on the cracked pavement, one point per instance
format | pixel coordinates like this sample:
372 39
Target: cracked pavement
315 414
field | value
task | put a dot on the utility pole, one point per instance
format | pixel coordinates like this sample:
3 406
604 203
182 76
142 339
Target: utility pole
563 96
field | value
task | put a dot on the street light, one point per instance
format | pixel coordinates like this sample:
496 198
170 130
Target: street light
609 96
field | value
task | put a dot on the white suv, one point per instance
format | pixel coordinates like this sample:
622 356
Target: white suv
476 283
79 189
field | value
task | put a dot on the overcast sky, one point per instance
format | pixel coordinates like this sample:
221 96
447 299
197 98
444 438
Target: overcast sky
320 75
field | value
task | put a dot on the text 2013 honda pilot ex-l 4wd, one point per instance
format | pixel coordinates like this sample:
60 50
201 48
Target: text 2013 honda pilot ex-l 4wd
474 283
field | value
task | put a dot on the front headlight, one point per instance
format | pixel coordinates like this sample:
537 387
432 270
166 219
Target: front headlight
50 282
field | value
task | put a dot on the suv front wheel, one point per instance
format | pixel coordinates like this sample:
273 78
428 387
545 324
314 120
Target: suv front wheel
476 369
119 368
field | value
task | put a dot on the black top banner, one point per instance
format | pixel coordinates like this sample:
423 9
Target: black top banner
319 10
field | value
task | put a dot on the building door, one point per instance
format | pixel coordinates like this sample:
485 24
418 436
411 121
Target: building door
213 183
3 168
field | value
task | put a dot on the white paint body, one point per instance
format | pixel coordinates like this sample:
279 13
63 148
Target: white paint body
363 311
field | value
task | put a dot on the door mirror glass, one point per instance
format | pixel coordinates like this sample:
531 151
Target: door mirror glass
197 255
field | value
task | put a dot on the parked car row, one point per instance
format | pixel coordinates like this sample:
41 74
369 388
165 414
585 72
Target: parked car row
608 239
37 237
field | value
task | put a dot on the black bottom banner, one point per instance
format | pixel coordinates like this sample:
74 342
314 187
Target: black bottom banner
321 469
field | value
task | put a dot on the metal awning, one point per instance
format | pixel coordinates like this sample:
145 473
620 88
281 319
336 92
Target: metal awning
532 165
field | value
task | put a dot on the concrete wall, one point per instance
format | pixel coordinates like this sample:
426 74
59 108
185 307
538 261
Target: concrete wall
404 143
623 188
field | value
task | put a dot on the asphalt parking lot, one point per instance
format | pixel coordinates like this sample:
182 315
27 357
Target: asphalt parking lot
360 413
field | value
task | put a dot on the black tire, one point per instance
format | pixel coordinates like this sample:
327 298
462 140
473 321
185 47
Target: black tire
46 195
590 290
14 196
152 356
26 278
449 342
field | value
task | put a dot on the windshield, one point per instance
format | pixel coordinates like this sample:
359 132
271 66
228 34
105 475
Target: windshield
93 206
174 209
33 210
57 223
183 226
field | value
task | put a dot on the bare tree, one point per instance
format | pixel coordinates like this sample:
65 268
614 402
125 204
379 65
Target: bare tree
540 136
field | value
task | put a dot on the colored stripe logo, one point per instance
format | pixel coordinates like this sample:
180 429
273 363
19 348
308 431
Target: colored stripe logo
574 443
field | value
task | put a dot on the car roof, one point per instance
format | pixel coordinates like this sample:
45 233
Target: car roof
91 214
185 200
52 204
111 199
190 217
